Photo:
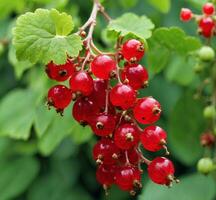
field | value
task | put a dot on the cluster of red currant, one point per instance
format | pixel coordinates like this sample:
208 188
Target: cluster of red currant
206 21
105 98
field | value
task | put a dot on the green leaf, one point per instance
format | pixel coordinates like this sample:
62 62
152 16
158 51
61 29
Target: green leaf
192 187
43 118
186 125
181 70
44 36
17 114
162 6
131 24
166 41
16 175
59 129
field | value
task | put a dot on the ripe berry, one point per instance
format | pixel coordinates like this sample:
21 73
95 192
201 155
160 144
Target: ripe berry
105 175
123 96
186 14
207 26
207 139
126 136
105 152
103 124
147 110
103 66
81 83
153 138
60 72
136 75
59 96
133 50
208 8
128 178
133 156
161 171
83 109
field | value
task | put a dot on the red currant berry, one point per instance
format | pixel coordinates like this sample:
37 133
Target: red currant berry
128 178
81 82
153 138
207 26
161 171
147 110
133 156
105 152
83 109
60 72
133 50
103 124
105 175
208 9
186 14
59 96
207 139
123 96
126 136
103 66
136 75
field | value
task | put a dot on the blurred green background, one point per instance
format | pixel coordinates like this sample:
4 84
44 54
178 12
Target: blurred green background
44 156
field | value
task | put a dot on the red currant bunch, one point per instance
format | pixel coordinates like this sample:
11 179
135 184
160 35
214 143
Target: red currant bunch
114 113
206 21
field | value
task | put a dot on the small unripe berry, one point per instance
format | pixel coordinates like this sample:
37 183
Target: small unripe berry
206 53
207 139
186 14
209 112
205 165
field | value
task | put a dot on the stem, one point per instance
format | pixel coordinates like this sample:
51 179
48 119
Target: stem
117 58
107 98
143 158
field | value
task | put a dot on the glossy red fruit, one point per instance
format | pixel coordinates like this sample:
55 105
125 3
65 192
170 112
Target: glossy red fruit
128 178
105 175
103 66
81 82
186 14
161 171
123 96
133 50
105 152
133 156
207 26
59 96
60 72
83 109
103 124
147 110
126 136
136 75
153 138
208 8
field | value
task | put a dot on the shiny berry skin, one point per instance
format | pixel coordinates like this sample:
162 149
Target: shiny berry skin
186 14
126 136
136 75
153 138
59 96
81 82
147 110
123 96
103 124
128 178
103 66
133 50
60 72
161 171
207 27
105 175
83 109
105 152
208 9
